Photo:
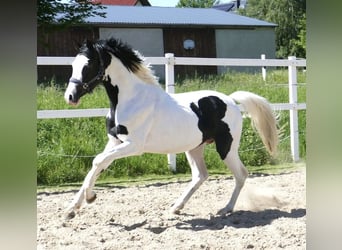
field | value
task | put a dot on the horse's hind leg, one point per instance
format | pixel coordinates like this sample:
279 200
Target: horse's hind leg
240 174
199 175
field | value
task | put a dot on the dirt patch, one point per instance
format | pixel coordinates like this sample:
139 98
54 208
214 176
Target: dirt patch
270 214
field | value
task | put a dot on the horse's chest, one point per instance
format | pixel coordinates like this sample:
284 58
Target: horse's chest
130 120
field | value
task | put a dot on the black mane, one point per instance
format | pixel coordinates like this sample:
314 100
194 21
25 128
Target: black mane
129 58
122 51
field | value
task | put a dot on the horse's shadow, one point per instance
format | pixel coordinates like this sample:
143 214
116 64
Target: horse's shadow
239 219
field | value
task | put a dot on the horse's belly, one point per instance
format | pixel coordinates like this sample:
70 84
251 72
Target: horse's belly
170 147
174 138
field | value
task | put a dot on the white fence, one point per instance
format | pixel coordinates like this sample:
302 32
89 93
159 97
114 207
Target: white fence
170 61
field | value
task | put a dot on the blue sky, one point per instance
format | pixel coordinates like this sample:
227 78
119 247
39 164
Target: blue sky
173 3
164 3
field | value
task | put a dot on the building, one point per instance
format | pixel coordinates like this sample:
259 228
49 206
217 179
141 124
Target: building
188 32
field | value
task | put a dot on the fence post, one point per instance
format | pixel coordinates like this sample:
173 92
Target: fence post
263 68
170 88
293 111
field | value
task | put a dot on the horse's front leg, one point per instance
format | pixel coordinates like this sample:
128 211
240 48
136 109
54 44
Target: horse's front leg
100 163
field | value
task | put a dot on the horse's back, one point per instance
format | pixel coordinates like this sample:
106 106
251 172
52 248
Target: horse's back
232 112
176 126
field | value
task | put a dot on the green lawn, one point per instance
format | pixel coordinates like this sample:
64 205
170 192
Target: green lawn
65 154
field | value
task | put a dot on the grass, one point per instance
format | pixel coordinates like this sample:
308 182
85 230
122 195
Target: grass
65 147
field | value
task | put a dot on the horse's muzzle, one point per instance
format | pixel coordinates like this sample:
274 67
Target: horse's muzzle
71 95
72 101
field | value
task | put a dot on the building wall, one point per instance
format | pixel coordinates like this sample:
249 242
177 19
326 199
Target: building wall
244 43
226 43
148 41
204 46
230 43
158 41
61 43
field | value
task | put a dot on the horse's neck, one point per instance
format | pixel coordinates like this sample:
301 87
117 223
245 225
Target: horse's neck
131 84
119 75
145 74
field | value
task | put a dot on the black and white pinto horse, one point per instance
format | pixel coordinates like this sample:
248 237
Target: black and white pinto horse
144 118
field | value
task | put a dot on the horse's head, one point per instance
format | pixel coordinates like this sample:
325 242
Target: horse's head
87 71
88 68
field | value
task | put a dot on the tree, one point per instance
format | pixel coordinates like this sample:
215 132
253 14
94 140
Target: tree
299 45
55 15
51 13
290 17
196 3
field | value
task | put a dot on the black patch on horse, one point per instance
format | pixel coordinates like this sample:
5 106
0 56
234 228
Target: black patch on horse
210 111
112 92
99 55
119 130
99 60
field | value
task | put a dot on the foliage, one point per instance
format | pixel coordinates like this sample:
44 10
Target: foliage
66 147
52 12
196 3
290 17
53 15
299 45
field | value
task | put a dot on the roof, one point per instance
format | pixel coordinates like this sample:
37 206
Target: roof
169 16
122 2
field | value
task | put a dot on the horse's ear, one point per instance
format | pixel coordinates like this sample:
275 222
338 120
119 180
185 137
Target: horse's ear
77 45
88 43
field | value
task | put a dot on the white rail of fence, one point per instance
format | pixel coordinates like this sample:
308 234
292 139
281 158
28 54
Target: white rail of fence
170 61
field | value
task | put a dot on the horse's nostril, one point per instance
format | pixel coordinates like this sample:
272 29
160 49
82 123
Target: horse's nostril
70 97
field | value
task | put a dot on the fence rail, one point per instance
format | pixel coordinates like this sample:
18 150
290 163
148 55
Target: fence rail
52 60
170 61
100 112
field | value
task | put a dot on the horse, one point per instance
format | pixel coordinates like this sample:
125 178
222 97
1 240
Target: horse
141 112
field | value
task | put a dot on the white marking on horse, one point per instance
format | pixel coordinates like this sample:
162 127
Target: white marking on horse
78 65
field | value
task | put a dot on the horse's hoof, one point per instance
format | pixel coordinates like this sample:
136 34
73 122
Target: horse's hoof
177 212
91 200
224 211
70 215
176 209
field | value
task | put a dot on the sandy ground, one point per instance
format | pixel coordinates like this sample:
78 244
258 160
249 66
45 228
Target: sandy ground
270 214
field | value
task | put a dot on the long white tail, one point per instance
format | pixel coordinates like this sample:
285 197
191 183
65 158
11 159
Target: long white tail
262 116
